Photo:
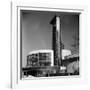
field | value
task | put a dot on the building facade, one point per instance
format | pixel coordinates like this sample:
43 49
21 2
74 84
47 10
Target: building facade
40 58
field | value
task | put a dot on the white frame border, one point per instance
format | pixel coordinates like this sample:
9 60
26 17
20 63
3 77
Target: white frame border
15 43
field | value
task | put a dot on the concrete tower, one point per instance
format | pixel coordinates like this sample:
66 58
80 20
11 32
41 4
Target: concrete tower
56 40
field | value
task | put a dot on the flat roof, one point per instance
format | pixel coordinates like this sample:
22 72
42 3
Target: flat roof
40 51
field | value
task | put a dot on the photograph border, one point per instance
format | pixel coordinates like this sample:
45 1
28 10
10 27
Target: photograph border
16 81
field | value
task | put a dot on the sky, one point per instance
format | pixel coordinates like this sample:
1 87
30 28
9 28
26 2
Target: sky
37 31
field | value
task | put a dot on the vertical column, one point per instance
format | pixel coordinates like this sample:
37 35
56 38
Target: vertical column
51 57
58 39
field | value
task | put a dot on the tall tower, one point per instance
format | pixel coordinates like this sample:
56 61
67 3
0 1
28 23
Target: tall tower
56 40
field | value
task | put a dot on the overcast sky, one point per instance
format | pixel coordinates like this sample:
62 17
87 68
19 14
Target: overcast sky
37 31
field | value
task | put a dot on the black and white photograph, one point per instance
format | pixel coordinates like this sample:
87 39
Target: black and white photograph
45 44
49 44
